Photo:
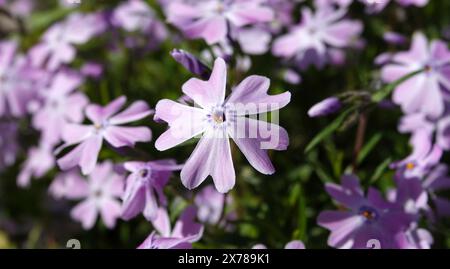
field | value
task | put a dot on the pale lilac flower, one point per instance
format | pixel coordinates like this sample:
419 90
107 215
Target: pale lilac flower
40 160
218 119
68 185
316 33
61 104
191 63
437 181
254 40
19 8
101 197
325 107
210 204
57 44
144 187
92 70
17 80
208 19
424 157
367 218
424 92
9 145
106 125
136 15
394 38
184 233
296 244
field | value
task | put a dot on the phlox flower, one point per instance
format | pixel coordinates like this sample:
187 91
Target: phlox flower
184 233
366 218
437 181
217 120
57 44
210 204
68 185
100 194
17 80
106 125
61 104
9 146
317 35
144 185
208 19
296 244
425 92
39 161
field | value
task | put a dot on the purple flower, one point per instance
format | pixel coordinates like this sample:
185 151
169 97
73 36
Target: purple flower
17 81
394 38
296 244
208 19
92 69
425 156
437 181
101 193
210 204
325 107
69 185
146 181
216 120
366 218
57 44
106 125
191 63
316 33
133 15
9 145
421 93
184 233
39 161
61 104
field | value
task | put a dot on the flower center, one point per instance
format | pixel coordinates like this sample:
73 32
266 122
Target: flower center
368 213
410 166
144 173
218 115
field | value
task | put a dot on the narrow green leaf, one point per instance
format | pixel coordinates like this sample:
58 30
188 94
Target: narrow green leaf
369 146
380 170
384 92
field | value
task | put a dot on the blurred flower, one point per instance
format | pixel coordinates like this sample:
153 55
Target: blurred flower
191 63
61 104
57 44
184 233
210 204
296 244
147 179
106 125
421 93
425 156
217 120
9 145
101 193
92 69
208 19
39 161
17 80
68 185
325 107
394 38
436 181
366 218
316 33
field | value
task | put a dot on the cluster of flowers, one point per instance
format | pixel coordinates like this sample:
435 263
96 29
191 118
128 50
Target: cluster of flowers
42 85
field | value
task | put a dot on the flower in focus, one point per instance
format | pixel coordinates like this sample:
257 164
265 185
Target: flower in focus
208 19
184 233
106 125
317 35
101 193
366 218
423 92
146 181
218 119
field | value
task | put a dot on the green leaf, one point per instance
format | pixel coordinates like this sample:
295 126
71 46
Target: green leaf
369 146
380 170
330 129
